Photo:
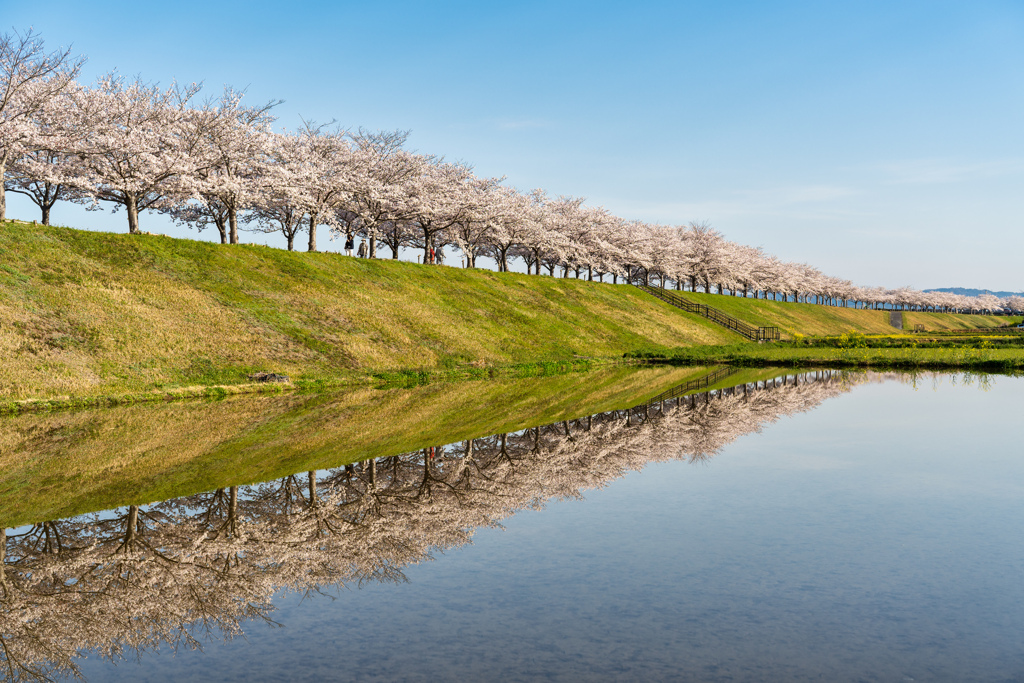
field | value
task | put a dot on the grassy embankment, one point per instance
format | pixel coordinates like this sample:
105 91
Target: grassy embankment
86 314
795 319
89 460
826 336
935 322
97 318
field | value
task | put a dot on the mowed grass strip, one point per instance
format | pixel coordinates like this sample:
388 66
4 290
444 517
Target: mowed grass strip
1008 360
794 319
86 313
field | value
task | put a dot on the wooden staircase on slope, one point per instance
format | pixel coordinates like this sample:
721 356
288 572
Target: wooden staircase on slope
758 334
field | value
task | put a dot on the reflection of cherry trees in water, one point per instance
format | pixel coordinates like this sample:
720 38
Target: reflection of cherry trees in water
175 572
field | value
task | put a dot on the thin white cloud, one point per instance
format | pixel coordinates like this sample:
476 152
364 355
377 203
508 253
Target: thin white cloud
943 171
795 195
803 202
521 124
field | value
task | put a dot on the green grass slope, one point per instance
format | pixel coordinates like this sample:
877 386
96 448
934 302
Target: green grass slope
794 318
86 313
933 322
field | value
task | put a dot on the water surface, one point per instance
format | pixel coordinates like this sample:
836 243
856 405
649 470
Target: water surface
825 526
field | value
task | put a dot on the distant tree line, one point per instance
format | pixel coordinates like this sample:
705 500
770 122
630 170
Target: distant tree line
217 162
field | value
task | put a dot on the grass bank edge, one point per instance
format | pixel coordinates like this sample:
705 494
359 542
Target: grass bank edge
410 377
989 360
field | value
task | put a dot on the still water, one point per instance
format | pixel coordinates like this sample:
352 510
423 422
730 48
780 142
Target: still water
772 526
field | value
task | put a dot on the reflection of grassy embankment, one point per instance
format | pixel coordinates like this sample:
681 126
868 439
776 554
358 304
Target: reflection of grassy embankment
55 465
399 378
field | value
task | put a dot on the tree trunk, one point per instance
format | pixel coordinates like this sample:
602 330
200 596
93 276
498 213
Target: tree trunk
46 214
291 242
232 520
131 531
373 244
312 233
221 228
3 549
232 225
3 191
132 207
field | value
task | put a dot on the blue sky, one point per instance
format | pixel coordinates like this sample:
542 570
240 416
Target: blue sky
880 142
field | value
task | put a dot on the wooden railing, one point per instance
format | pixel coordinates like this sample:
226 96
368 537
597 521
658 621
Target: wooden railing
758 334
689 389
700 383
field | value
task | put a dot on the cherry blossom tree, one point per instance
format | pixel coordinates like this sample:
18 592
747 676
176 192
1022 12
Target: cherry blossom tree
231 150
597 250
707 248
45 176
279 204
137 146
140 144
30 79
438 199
473 232
540 244
323 176
377 194
516 216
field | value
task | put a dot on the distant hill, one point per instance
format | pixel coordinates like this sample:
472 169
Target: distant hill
966 291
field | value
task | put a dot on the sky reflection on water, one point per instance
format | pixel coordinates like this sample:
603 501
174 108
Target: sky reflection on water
876 537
